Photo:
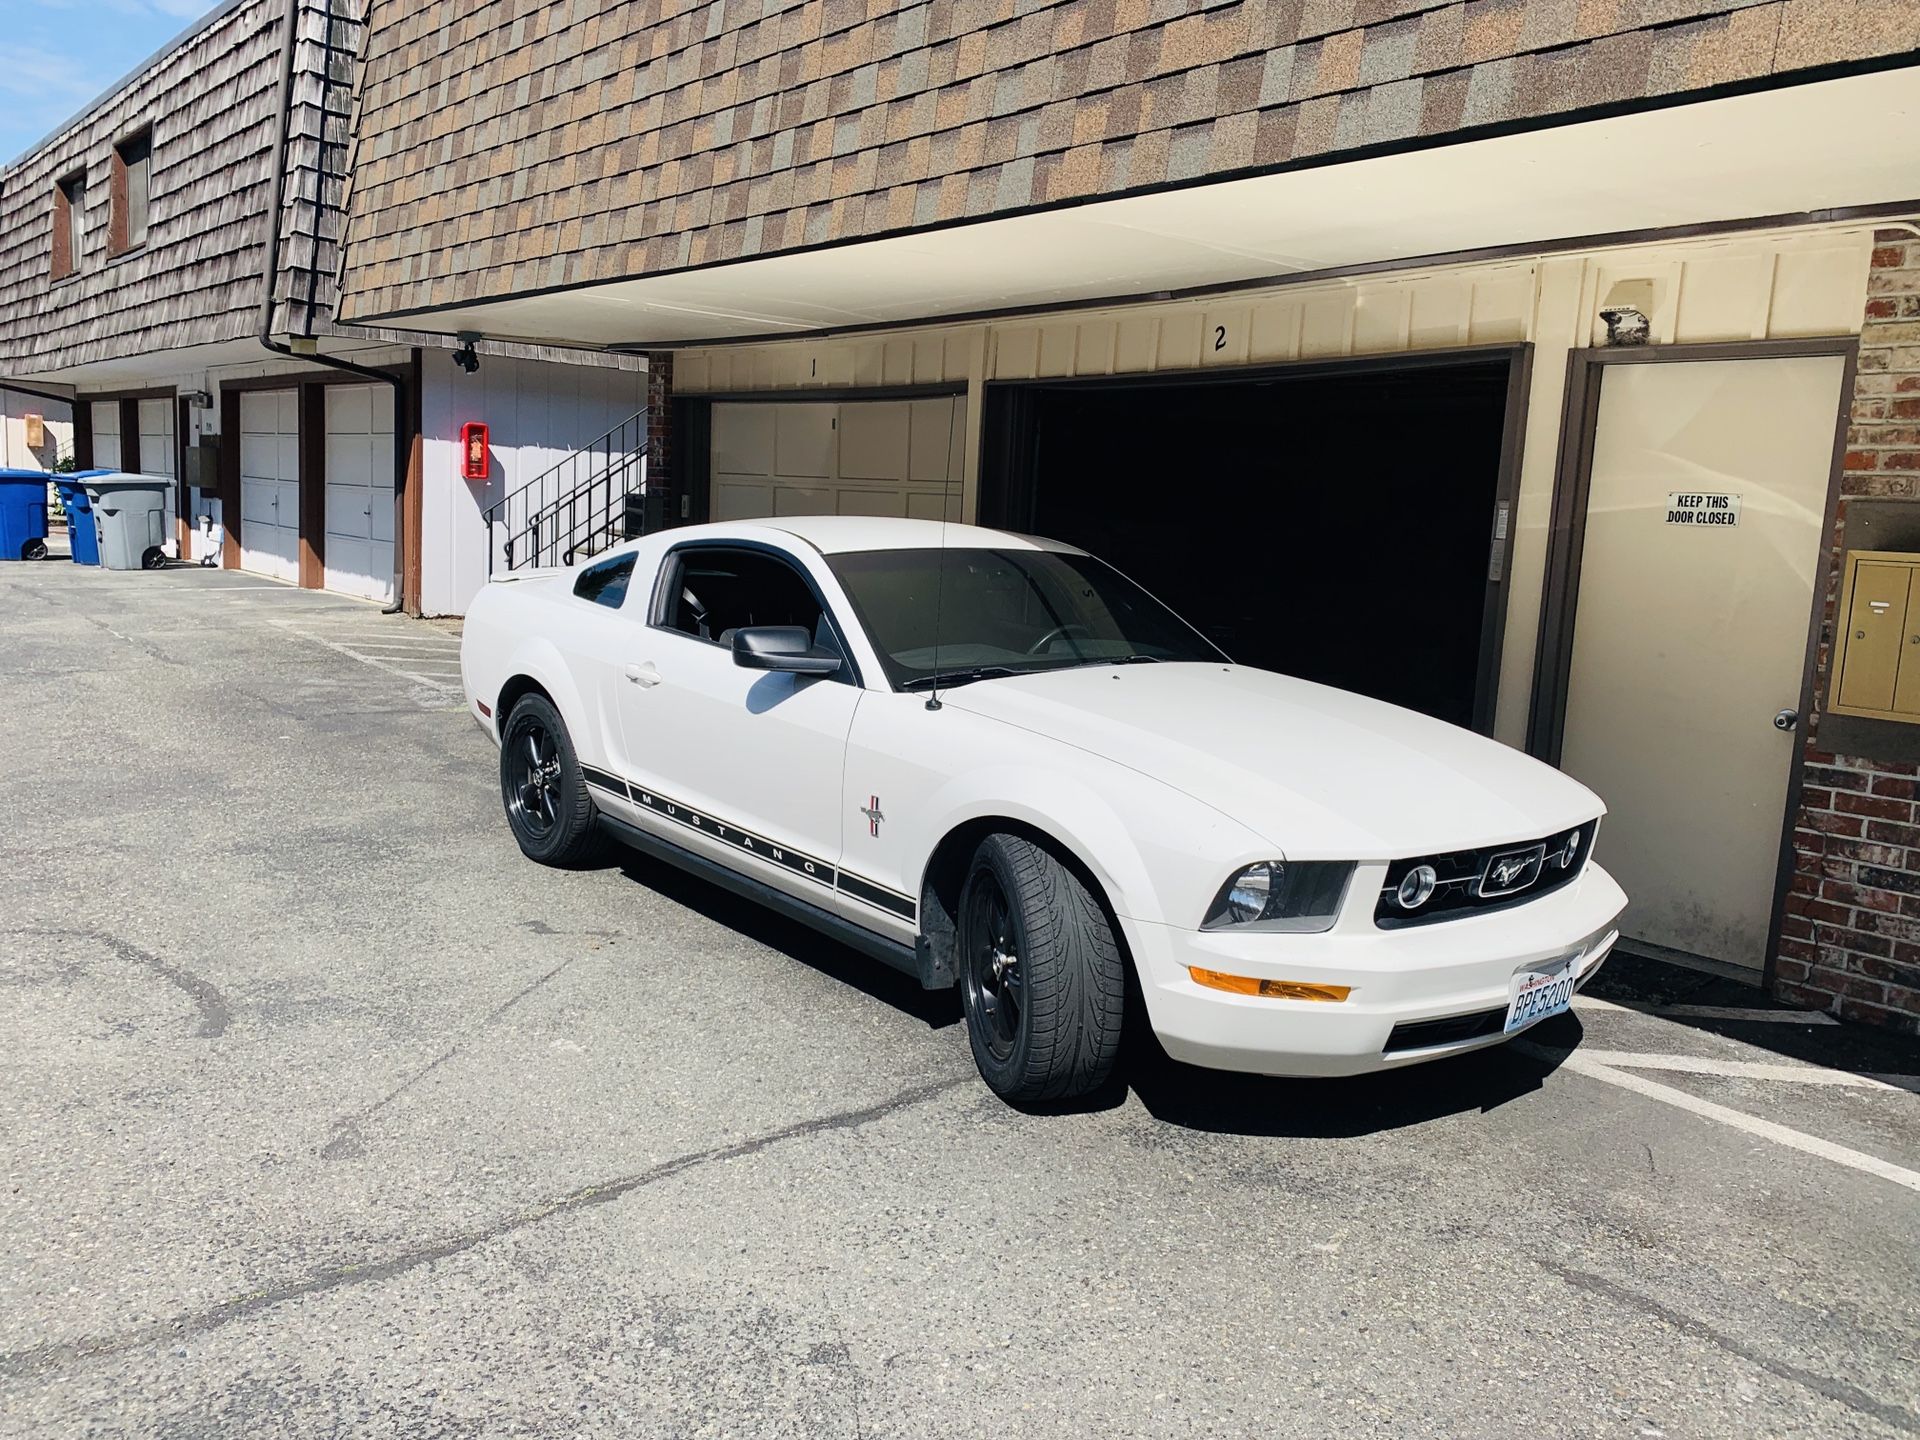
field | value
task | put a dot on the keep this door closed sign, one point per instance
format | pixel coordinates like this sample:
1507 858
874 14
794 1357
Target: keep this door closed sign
1702 511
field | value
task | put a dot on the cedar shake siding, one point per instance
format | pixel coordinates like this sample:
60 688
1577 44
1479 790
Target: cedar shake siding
210 101
507 145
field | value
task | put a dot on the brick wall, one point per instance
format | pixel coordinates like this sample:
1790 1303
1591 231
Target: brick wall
1850 941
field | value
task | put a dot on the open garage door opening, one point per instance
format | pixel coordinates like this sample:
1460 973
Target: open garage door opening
1347 525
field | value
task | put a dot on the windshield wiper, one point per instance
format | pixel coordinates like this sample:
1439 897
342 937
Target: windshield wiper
1109 660
944 678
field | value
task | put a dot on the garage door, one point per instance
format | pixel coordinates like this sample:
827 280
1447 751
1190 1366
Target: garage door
159 457
871 457
1231 498
270 483
359 545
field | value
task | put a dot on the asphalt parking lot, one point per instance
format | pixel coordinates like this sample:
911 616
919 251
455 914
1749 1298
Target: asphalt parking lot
324 1113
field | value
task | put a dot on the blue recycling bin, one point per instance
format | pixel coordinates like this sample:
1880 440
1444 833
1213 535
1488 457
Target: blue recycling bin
82 538
23 514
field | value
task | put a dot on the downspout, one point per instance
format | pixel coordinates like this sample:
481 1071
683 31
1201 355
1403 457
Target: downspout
269 280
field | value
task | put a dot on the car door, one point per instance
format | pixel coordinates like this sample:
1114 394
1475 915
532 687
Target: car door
605 626
743 765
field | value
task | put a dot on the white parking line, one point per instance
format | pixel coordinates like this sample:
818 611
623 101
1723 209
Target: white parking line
440 646
401 657
1726 1115
1713 1012
1750 1070
447 684
1735 1012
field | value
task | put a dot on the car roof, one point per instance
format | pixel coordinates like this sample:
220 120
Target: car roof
841 534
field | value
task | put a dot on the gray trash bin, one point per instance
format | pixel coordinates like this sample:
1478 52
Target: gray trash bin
130 516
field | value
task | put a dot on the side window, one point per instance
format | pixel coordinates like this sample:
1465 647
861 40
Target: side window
128 192
606 583
716 591
69 224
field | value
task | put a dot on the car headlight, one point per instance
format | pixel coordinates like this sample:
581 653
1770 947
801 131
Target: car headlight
1299 896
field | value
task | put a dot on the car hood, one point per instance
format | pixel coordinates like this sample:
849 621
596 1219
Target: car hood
1318 772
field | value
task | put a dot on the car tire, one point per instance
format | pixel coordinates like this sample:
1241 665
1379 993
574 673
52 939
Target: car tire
1042 977
547 804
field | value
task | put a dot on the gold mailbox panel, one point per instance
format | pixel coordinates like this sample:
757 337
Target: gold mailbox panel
1876 650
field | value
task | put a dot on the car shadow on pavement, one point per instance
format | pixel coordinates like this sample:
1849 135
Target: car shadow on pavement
937 1009
1224 1102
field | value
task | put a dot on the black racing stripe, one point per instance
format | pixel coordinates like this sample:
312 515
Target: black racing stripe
878 896
743 840
601 780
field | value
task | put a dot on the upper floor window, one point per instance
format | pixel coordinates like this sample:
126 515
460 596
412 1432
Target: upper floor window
69 223
132 185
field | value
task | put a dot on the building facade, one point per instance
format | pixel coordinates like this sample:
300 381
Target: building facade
1541 364
169 260
1537 363
36 430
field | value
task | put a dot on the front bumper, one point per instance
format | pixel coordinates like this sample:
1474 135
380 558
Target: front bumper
1452 968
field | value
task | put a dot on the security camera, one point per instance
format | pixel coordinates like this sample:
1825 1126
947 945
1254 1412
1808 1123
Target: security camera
466 357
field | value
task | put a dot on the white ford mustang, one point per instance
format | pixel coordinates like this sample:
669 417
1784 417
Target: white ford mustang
994 761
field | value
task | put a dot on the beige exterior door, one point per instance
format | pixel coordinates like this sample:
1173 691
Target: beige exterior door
359 545
1703 543
867 457
157 456
106 434
270 484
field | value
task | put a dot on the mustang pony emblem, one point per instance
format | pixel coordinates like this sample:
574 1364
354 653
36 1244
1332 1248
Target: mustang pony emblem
1514 870
872 811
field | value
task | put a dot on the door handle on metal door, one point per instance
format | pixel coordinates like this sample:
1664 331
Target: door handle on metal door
644 675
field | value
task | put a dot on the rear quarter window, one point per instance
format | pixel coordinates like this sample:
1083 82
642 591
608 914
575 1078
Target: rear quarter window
606 583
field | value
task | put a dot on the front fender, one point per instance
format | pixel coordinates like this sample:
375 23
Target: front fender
1159 855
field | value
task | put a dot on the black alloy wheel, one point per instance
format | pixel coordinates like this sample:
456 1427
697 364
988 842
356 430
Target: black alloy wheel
533 792
1042 975
993 972
542 788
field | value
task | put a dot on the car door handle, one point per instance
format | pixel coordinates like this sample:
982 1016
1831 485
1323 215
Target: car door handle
644 675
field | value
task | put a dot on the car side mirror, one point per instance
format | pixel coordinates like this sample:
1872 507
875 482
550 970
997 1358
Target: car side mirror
785 648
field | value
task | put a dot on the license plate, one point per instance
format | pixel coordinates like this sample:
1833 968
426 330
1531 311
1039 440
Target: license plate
1539 994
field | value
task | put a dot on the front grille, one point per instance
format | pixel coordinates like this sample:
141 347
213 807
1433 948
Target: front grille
1450 1030
1463 874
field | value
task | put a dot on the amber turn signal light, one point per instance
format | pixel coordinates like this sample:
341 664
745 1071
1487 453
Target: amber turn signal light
1271 989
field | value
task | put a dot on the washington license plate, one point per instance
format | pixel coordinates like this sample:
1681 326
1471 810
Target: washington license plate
1538 994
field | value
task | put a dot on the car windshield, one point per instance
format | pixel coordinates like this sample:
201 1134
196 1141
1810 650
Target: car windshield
1006 612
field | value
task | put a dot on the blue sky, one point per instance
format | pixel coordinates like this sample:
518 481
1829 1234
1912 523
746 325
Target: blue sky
59 54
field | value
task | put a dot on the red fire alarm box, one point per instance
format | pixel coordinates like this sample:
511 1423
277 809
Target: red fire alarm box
473 450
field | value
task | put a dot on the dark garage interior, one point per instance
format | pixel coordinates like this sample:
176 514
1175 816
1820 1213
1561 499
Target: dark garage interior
1335 526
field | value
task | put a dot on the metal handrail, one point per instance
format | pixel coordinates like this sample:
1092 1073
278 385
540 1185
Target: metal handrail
561 514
